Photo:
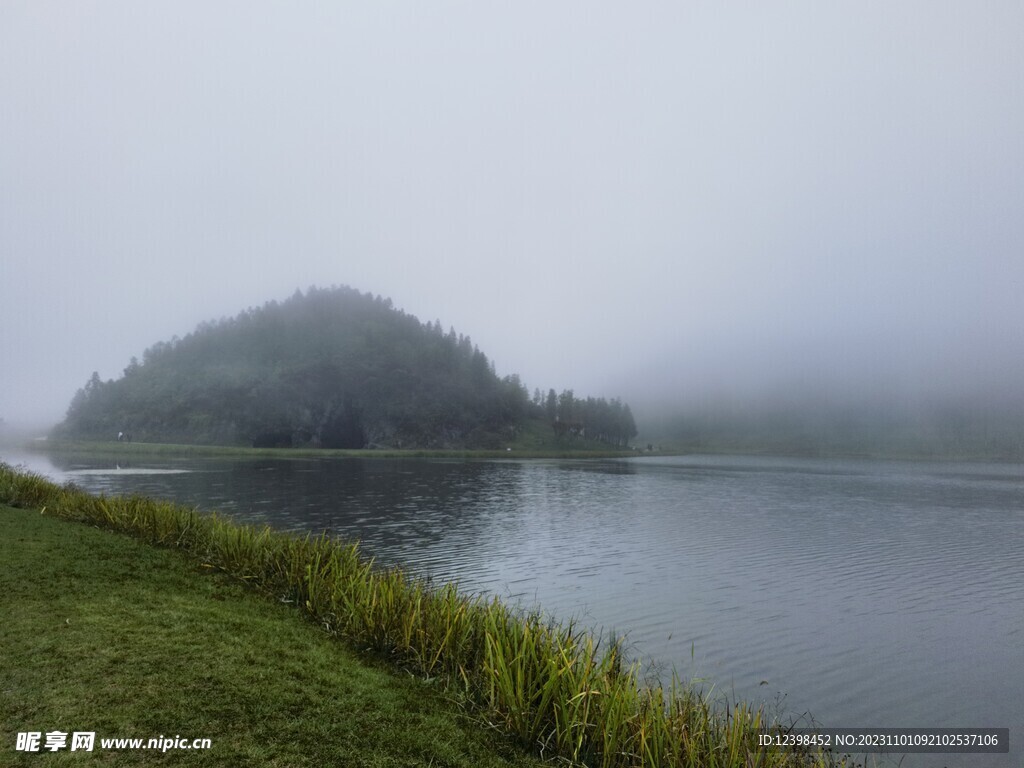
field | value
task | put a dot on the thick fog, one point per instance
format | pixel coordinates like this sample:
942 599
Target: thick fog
665 201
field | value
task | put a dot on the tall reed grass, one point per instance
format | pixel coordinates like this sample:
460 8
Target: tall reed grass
554 686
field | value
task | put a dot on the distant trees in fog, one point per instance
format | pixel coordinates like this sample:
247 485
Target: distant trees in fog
330 368
595 419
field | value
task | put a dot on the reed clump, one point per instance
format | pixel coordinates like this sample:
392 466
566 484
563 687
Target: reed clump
555 686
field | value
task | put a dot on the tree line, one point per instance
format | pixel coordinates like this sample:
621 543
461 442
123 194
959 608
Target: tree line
609 422
331 368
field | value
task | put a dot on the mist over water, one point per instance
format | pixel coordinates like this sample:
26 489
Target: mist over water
814 200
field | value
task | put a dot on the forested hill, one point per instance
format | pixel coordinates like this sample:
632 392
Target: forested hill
333 368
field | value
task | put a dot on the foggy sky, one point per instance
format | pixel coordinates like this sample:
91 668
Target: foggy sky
650 200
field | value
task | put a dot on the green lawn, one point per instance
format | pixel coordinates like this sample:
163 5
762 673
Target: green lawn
103 633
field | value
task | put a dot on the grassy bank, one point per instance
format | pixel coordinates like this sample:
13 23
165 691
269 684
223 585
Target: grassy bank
107 634
551 686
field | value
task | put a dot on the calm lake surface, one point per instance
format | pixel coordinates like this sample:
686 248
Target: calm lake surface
864 593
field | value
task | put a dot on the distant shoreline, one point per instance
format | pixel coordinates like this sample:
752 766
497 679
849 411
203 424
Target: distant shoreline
115 448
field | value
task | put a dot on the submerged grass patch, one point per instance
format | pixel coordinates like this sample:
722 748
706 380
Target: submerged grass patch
553 686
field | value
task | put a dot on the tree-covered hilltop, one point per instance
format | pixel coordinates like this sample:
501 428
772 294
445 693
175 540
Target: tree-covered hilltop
333 368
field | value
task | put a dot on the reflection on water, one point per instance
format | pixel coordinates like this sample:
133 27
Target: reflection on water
868 593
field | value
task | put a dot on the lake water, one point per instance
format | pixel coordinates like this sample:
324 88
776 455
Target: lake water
867 594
